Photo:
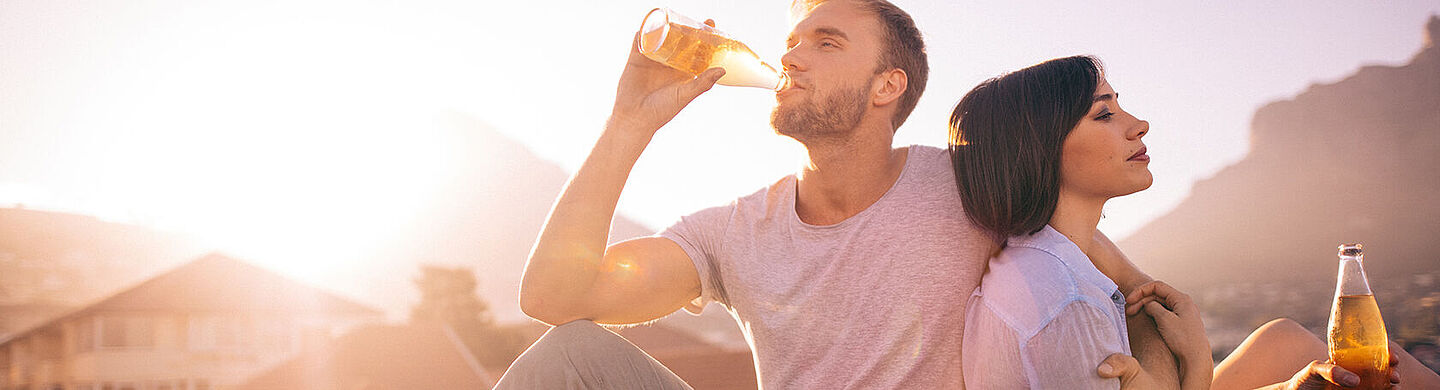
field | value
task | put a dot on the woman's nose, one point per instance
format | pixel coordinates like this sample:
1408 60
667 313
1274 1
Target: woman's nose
1140 129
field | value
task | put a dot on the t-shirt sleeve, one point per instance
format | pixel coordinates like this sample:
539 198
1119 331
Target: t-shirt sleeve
700 235
1065 353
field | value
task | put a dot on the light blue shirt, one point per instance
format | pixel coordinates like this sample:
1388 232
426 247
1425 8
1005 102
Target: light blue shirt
1043 317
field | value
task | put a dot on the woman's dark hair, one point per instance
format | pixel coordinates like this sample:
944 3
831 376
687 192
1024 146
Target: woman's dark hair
1005 140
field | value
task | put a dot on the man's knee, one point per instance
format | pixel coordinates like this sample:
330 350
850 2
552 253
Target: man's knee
581 354
562 339
547 363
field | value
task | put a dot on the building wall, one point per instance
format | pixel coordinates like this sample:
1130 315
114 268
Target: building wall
156 352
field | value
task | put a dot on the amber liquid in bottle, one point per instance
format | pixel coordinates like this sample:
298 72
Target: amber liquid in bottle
668 38
1356 337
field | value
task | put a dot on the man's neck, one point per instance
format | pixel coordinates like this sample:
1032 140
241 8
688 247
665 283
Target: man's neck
844 177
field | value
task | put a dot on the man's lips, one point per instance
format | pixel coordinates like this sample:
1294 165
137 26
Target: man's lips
1140 155
792 86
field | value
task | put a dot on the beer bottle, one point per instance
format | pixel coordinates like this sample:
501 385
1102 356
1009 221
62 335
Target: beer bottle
1357 338
682 43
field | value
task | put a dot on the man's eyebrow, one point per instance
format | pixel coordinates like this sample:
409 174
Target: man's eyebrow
824 31
831 31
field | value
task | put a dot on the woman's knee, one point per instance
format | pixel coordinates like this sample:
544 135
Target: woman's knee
1288 335
1283 329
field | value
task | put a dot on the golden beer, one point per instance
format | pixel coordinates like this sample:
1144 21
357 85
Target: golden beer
1356 337
692 47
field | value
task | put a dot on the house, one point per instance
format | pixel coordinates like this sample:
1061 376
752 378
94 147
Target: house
382 357
702 365
210 324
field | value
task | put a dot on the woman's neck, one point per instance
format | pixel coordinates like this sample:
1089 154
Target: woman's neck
1076 217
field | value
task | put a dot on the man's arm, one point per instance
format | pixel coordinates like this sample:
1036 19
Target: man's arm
571 274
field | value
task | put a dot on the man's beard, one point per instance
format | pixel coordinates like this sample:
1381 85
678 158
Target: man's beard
837 114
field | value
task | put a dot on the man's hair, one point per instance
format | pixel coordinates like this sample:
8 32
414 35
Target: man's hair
1006 137
904 48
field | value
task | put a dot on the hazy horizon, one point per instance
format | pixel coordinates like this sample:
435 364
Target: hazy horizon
253 125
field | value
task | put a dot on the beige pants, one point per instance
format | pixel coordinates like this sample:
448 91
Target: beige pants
583 355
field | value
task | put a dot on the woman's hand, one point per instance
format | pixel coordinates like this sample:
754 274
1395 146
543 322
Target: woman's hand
1178 320
1321 376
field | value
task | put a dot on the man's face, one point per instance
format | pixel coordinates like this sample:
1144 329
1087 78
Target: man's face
833 52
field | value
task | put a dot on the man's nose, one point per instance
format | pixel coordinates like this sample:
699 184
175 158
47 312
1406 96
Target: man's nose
791 60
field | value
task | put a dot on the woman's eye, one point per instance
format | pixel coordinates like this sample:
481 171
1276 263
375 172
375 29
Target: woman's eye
1105 116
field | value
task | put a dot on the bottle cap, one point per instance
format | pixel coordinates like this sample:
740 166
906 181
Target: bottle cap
1350 250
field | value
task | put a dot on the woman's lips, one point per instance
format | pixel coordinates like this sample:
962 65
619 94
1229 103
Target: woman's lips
1140 155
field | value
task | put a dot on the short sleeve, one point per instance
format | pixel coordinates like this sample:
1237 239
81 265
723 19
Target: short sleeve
990 350
700 235
1065 353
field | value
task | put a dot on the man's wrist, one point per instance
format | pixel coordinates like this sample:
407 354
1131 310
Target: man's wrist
621 135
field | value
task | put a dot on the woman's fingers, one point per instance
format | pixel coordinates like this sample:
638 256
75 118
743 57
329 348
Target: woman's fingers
1156 290
1319 375
1164 318
1135 308
1154 287
1394 369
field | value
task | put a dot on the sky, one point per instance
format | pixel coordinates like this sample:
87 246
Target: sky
285 130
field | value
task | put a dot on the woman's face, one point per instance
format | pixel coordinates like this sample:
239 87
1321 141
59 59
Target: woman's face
1103 156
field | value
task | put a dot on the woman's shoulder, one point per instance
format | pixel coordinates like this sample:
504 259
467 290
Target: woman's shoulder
1028 286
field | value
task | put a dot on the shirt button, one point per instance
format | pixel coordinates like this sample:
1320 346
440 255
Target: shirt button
1116 296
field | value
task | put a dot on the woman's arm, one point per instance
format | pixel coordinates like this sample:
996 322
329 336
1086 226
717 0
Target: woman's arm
1178 321
1155 357
1064 351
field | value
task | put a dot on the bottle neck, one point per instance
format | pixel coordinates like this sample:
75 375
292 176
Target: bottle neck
1351 278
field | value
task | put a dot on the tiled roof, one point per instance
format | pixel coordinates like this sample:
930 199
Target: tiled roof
381 358
219 284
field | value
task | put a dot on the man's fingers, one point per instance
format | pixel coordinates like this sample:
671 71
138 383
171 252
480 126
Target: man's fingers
693 88
1119 366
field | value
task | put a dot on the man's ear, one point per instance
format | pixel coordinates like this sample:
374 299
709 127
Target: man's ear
890 85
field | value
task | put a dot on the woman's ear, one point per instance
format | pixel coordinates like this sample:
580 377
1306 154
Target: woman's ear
890 85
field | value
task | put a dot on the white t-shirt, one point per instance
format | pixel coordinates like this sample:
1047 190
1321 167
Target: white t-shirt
874 302
1044 318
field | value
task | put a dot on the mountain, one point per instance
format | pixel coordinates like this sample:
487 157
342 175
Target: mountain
487 217
1351 161
52 261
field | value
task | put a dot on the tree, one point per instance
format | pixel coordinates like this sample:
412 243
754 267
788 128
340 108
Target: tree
448 296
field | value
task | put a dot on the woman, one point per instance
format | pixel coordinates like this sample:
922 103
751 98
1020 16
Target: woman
1037 153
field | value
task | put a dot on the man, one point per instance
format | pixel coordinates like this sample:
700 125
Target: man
851 273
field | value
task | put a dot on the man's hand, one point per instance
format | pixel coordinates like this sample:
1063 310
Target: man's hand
650 93
1131 375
